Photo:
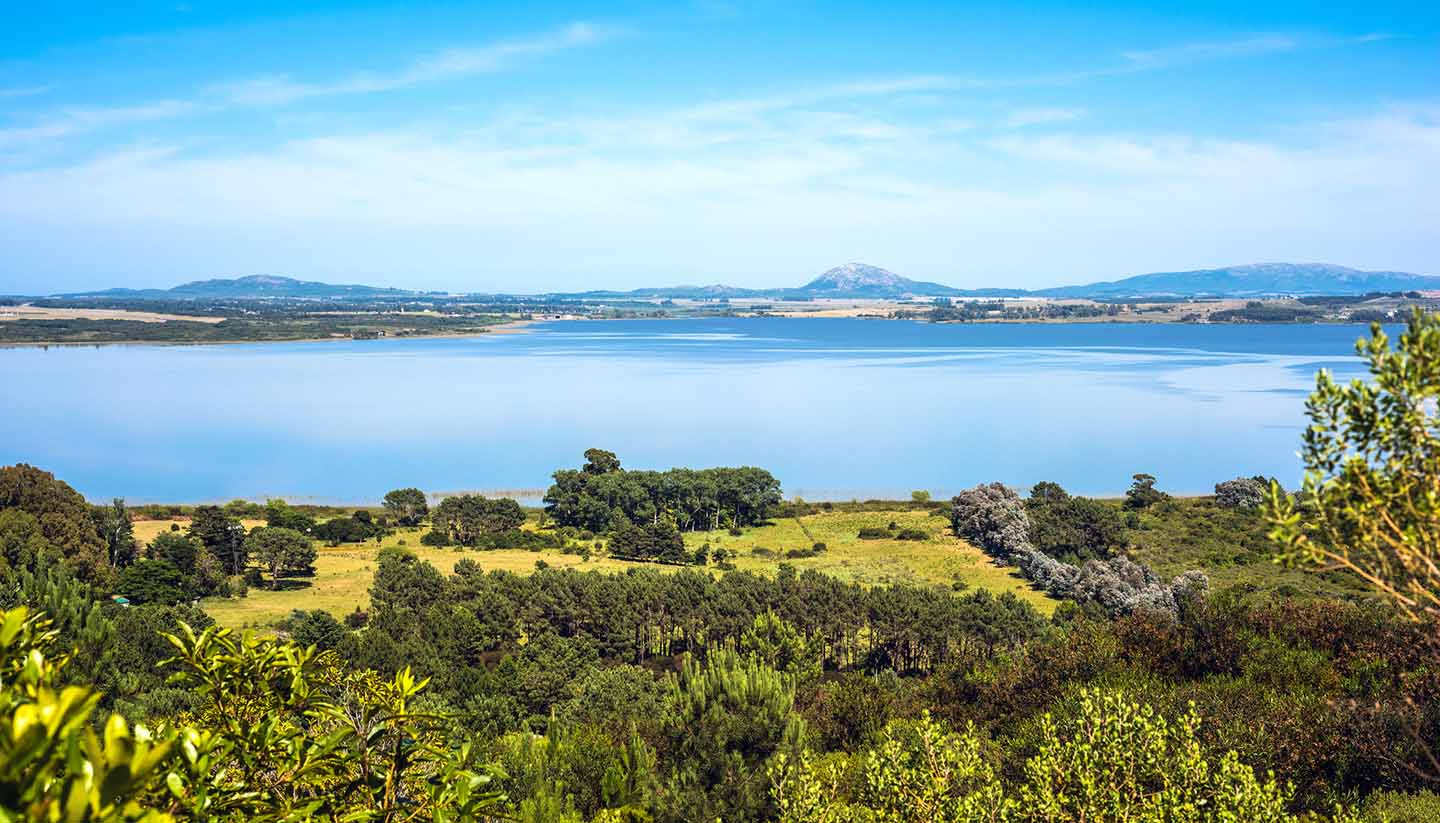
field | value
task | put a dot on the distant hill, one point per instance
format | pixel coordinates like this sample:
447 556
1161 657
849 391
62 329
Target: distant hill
1254 280
853 280
253 286
861 280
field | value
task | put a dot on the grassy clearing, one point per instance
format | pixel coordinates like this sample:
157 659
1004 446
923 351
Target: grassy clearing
1231 546
147 530
343 574
941 560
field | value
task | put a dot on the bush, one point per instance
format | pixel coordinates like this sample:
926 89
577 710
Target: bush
1398 807
1241 493
912 534
818 547
993 518
874 533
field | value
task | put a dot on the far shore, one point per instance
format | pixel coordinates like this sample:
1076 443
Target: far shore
509 327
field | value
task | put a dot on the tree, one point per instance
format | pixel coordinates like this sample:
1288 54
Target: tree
180 550
467 518
1241 493
993 518
1370 503
1074 528
599 461
1118 759
407 506
63 517
316 628
222 535
115 528
653 541
152 581
280 514
724 718
281 551
1142 493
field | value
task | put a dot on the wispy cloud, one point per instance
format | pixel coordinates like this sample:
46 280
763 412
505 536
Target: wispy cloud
279 90
1203 51
23 91
1021 118
444 65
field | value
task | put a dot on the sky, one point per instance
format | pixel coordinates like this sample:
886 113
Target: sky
555 147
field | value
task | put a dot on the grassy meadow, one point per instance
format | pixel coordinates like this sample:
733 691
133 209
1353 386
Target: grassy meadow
343 573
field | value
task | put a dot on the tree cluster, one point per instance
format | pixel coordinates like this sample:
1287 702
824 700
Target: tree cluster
597 495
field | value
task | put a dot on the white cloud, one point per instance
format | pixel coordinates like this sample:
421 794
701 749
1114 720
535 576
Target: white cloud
280 90
448 64
1195 52
23 91
495 209
1021 118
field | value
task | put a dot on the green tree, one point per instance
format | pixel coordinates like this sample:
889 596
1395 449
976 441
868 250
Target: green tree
282 552
222 535
180 550
599 461
152 581
115 528
282 515
1118 759
1142 493
1370 503
723 720
407 506
781 646
63 516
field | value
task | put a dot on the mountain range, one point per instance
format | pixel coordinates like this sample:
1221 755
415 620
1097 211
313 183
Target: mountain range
253 286
859 280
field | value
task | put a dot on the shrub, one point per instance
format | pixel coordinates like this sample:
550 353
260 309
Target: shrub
1397 807
993 518
874 533
1241 493
912 534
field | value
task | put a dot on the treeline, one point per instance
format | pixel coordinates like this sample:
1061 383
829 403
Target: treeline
240 329
601 493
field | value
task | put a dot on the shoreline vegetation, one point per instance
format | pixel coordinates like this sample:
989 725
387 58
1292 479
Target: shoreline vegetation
688 644
61 322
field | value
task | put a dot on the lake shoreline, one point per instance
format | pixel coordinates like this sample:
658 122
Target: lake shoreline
509 327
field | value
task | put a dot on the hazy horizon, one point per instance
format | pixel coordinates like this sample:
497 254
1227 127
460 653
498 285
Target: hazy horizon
478 149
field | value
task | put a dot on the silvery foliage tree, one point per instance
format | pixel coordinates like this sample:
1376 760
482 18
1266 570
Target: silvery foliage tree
993 518
1241 493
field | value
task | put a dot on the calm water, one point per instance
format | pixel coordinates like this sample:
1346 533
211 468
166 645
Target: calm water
835 408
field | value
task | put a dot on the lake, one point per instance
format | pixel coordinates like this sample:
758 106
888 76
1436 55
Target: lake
836 408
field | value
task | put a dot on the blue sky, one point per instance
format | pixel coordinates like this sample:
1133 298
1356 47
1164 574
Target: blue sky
490 147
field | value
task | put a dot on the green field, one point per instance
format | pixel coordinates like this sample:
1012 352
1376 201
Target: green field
1231 546
342 574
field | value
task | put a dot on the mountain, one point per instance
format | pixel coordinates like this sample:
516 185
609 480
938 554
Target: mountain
253 286
861 280
1254 280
